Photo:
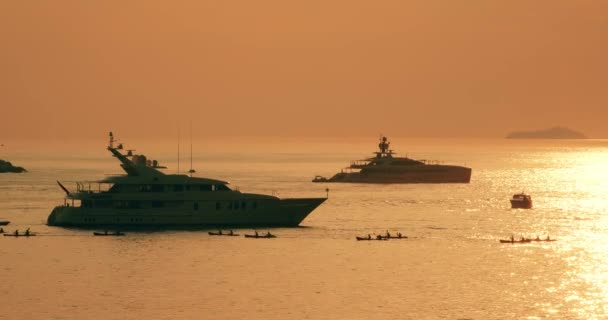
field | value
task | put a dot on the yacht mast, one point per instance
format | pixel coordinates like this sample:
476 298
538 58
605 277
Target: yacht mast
191 171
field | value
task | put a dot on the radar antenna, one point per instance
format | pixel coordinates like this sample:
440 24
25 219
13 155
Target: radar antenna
384 145
112 141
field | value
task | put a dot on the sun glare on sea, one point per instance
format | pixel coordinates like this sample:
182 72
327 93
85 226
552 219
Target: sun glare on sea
580 183
581 179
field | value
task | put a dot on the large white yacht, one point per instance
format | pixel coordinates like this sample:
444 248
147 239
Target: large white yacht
147 197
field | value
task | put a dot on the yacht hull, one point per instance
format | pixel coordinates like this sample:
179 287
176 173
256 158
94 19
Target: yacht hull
518 204
274 213
421 174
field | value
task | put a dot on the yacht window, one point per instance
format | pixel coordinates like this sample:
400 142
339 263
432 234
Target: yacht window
158 188
243 205
126 204
178 188
255 205
102 203
206 187
134 204
221 187
187 188
196 206
230 205
218 206
157 204
236 205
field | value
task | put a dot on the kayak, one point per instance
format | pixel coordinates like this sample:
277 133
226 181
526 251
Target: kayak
108 234
19 235
4 222
394 237
369 239
268 236
516 241
223 234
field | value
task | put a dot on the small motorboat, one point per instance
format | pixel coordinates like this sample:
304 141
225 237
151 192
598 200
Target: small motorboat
266 236
521 201
4 222
221 233
105 233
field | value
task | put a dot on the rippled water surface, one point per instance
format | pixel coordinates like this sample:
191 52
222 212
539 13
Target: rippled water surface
452 266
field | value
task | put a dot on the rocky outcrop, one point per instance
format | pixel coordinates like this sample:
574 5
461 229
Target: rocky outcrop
6 166
551 133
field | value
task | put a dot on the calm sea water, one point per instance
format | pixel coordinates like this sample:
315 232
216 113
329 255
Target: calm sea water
452 266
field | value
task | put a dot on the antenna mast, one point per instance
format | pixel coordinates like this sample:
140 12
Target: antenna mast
191 171
111 144
178 150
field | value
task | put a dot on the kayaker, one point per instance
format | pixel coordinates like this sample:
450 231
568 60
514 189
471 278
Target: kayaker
256 233
388 235
231 233
369 236
27 232
378 237
16 233
1 230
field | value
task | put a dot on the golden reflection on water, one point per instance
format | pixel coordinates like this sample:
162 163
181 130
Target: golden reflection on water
451 267
582 178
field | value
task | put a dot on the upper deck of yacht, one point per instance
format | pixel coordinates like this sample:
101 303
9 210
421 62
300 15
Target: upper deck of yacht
143 175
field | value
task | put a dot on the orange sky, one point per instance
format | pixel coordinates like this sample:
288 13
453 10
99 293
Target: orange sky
301 68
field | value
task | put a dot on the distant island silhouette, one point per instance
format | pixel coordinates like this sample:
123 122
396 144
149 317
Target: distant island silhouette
6 166
551 133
